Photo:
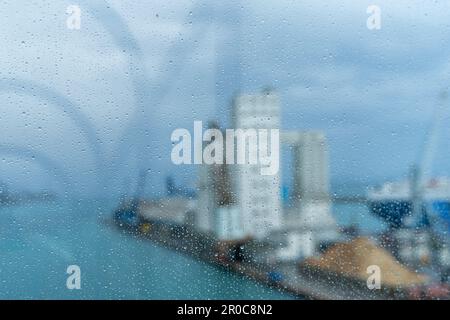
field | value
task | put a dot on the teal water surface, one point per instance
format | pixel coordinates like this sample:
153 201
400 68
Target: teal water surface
39 241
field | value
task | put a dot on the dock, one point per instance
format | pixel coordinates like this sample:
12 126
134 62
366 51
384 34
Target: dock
204 247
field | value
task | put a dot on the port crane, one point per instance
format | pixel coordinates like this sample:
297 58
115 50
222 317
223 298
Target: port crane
420 208
422 169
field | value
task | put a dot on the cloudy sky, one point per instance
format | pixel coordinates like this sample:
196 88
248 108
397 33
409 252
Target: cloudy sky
93 105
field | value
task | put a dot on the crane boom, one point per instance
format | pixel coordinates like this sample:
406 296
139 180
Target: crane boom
422 169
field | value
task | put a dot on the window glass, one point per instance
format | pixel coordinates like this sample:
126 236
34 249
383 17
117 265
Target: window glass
224 149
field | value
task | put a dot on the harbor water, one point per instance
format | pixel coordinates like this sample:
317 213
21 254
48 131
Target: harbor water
40 240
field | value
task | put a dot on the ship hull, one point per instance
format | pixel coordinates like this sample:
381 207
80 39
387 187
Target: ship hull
127 216
393 212
442 208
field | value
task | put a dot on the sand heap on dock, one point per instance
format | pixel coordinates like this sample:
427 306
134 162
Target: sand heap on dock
352 258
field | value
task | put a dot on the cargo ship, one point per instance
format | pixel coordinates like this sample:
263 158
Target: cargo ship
393 201
127 214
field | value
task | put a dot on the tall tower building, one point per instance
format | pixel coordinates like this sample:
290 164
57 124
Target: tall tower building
257 196
214 193
311 179
206 202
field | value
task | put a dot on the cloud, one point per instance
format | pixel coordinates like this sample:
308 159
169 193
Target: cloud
373 92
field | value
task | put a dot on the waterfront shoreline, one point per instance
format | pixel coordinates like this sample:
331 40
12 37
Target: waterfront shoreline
299 285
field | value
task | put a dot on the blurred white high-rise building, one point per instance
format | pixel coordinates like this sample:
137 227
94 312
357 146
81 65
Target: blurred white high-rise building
257 196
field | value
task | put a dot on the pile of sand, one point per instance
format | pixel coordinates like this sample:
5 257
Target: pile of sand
352 259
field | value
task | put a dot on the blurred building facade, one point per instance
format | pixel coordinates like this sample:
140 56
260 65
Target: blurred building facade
237 201
308 223
311 195
216 212
257 196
